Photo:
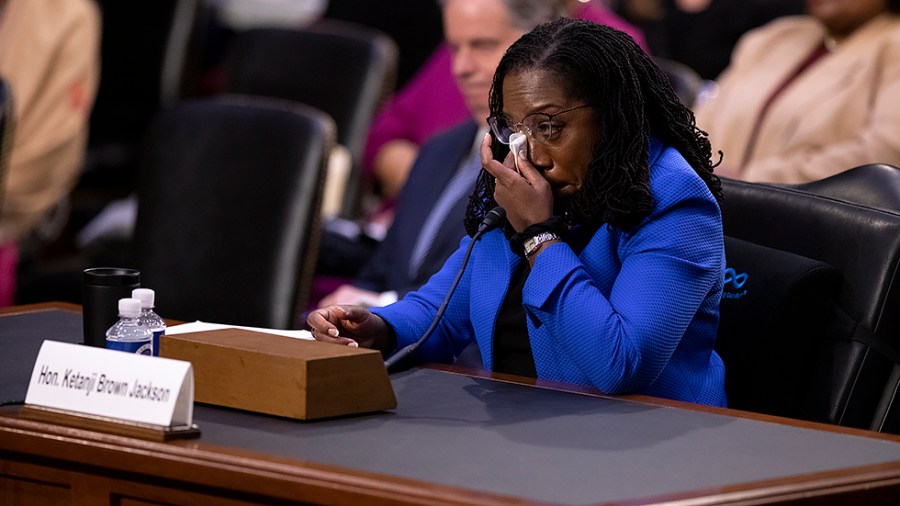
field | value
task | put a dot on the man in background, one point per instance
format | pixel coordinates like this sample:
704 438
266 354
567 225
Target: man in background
428 221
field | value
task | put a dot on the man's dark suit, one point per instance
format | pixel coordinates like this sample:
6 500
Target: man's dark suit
438 160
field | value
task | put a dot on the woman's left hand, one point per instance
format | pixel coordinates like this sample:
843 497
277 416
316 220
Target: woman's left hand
526 196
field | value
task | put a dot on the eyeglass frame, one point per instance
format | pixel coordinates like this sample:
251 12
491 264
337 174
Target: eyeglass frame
522 127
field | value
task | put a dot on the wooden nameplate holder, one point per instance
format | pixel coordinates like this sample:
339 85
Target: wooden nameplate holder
110 425
282 376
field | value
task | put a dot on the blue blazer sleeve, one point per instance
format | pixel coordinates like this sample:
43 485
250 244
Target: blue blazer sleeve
412 315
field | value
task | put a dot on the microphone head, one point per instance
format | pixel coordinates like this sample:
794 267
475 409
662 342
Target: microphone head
493 219
496 214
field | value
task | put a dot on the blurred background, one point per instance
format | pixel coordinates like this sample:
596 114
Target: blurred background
155 55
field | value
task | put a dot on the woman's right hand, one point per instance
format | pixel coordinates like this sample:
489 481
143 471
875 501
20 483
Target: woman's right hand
348 325
523 192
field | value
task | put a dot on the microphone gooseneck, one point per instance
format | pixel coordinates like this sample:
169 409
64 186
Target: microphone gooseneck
491 221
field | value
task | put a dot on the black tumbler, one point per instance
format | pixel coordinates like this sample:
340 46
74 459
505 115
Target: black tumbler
102 289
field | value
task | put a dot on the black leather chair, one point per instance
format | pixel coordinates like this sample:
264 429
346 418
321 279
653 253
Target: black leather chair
227 227
876 185
873 184
150 53
833 272
339 67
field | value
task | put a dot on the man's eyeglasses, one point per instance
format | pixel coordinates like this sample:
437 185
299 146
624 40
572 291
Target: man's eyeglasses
537 125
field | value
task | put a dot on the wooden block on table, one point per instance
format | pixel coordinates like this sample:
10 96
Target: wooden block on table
282 376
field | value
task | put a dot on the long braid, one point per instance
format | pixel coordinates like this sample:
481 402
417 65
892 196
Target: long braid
632 99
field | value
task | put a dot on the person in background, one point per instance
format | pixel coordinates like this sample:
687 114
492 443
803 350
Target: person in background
49 55
428 218
609 268
431 102
808 97
701 33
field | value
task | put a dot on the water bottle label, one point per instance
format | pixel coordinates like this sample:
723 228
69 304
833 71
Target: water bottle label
156 334
137 347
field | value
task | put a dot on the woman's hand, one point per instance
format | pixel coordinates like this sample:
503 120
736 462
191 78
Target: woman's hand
526 196
350 326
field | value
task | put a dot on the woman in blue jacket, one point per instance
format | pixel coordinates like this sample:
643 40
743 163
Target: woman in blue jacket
608 269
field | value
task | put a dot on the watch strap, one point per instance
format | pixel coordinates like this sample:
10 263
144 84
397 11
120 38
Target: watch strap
532 244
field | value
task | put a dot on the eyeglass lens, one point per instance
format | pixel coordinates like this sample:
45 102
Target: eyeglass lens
537 125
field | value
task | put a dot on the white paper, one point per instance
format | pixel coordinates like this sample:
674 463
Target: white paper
114 384
199 326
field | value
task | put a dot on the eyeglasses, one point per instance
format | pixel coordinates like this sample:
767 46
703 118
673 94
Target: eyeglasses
537 125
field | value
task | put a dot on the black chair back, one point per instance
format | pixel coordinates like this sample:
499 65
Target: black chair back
228 225
147 65
847 352
874 184
342 68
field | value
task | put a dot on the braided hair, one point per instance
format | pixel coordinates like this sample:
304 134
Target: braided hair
632 100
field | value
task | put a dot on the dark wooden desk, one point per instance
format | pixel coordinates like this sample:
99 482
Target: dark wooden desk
454 439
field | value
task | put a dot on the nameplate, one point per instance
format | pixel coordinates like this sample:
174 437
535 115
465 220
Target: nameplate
112 384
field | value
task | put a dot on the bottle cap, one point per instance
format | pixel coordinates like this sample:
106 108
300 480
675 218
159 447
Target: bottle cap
129 307
145 295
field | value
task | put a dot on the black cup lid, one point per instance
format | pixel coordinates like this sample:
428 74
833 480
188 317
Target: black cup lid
111 276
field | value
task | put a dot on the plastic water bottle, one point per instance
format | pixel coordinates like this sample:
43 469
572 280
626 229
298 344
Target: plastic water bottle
129 334
149 316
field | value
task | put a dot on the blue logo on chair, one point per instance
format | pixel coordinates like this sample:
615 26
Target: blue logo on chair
733 283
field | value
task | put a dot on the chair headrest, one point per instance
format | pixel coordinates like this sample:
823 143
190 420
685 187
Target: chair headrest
875 185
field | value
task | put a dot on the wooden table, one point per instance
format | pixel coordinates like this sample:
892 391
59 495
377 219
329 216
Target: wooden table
453 439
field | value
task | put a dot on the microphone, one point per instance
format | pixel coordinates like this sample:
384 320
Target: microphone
493 218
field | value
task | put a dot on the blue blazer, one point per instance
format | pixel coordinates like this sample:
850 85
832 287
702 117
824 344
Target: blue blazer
633 312
438 160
